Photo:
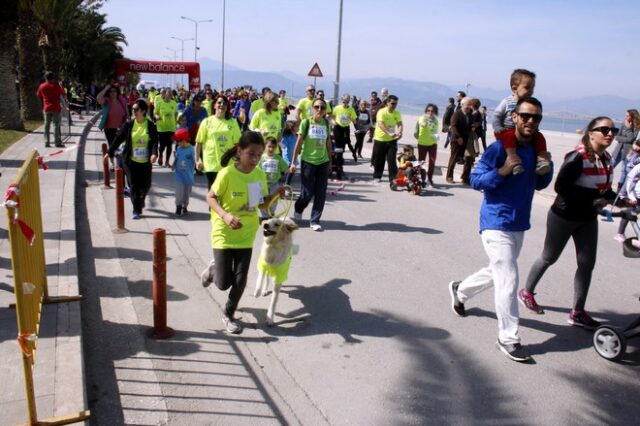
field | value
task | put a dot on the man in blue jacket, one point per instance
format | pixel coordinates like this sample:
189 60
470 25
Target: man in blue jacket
504 216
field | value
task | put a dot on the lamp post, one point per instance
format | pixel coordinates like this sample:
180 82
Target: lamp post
181 40
196 39
336 84
224 8
175 59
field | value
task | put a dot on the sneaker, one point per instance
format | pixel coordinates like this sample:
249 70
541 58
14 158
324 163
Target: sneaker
582 319
543 167
47 145
431 183
456 305
178 210
207 275
126 191
528 301
619 238
514 351
231 325
135 216
297 216
316 227
517 169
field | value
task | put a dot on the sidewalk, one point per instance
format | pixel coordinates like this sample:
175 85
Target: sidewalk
58 373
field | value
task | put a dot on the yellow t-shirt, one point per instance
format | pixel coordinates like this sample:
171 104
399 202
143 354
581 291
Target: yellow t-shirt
344 115
239 194
427 131
207 104
390 120
167 112
270 121
314 144
305 106
216 136
283 103
140 142
256 105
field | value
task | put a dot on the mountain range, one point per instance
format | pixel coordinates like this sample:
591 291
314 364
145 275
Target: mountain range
409 91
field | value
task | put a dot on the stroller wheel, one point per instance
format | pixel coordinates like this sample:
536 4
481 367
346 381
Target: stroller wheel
609 343
629 248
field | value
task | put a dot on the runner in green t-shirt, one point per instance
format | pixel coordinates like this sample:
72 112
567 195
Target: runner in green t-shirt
216 134
267 121
304 109
314 146
235 197
343 115
165 112
385 139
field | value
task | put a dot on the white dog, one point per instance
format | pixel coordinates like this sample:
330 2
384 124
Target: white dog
275 259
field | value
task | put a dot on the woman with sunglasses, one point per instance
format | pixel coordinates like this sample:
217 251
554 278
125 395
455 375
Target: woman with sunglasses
140 137
314 147
216 135
583 185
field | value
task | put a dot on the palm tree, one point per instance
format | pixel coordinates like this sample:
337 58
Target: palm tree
30 69
9 111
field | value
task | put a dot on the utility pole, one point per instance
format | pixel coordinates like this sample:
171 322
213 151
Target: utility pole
336 84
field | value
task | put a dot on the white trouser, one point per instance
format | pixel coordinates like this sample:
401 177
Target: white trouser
503 249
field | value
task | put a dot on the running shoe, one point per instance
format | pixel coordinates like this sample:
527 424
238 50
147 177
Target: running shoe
208 274
619 238
582 319
514 351
231 325
316 227
528 301
543 167
456 305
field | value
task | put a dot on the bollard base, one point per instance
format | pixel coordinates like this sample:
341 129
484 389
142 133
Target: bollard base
120 230
161 333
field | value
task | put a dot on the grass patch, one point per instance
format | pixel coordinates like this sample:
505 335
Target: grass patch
9 137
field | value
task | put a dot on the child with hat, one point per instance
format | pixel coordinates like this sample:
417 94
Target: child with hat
183 166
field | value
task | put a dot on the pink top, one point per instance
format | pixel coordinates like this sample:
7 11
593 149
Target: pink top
117 114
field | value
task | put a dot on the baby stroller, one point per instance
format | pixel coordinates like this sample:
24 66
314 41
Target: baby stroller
412 178
611 342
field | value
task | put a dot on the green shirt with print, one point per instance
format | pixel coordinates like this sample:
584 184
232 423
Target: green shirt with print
269 121
238 194
314 143
166 112
390 120
273 167
216 136
344 115
140 142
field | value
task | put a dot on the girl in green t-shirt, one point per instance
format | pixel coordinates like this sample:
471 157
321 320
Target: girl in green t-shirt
239 190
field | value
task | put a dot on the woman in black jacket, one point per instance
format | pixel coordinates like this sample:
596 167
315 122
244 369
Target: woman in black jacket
141 151
583 184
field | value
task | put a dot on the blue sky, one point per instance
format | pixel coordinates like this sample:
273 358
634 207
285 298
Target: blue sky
577 48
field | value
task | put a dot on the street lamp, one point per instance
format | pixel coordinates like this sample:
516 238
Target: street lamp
196 22
181 40
175 59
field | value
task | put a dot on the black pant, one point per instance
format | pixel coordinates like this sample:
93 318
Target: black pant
139 177
359 142
211 177
342 139
313 185
165 143
385 151
456 152
232 269
110 134
585 239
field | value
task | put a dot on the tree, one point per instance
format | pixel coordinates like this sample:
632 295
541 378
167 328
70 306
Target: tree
30 65
9 111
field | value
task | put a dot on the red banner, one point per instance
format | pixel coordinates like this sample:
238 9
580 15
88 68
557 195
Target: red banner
123 66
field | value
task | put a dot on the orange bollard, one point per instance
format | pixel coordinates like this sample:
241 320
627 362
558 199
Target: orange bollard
160 329
105 167
120 201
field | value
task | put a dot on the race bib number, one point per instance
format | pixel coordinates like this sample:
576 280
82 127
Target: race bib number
140 154
363 116
270 166
255 194
344 119
317 132
391 129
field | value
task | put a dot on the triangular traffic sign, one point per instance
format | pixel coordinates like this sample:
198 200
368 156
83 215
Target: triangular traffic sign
315 71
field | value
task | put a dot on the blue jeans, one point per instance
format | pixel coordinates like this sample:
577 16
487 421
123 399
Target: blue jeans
314 180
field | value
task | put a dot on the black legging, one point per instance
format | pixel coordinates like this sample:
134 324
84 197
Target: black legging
232 268
211 177
585 239
139 178
165 143
359 142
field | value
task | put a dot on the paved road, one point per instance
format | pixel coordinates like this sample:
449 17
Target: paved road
366 336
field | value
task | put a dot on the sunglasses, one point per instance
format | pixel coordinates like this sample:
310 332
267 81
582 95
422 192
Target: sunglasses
605 130
393 103
311 91
536 118
321 107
